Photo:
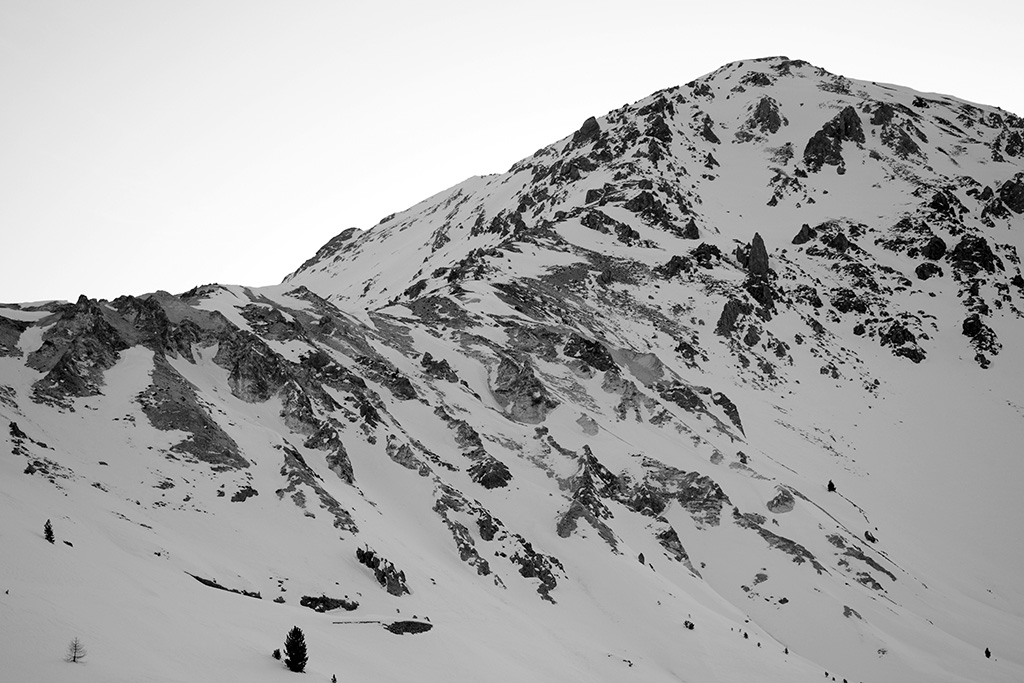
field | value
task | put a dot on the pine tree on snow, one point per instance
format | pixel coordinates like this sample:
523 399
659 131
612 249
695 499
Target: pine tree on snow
295 657
76 651
48 531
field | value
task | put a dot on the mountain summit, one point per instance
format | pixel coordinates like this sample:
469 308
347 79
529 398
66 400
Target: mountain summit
722 386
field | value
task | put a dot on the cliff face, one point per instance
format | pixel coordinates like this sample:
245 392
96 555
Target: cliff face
596 398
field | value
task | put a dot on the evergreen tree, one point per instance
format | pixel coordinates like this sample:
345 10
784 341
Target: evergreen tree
831 486
48 531
295 650
76 651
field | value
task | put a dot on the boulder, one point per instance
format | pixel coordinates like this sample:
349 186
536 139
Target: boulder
782 503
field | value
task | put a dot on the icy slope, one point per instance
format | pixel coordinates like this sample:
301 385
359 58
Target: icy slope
573 410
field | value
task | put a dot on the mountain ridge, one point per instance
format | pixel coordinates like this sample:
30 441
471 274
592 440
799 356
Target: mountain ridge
597 397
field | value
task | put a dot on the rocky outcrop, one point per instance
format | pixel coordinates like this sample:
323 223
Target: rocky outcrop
758 282
438 369
1012 193
934 249
766 117
592 353
388 576
799 553
591 483
301 476
517 390
973 254
805 235
826 146
323 603
76 352
328 438
171 404
588 132
731 313
10 333
783 502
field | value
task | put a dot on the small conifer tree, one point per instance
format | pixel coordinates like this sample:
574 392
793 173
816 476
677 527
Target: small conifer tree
295 650
48 531
76 651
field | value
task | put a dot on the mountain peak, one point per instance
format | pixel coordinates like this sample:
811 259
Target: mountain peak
723 381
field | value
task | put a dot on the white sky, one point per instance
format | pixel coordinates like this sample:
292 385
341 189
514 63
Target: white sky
161 145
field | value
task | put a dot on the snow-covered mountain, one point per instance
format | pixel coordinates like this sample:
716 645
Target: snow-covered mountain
574 422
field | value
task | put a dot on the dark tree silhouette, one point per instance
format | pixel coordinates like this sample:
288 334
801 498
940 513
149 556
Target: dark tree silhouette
48 531
295 650
76 651
831 486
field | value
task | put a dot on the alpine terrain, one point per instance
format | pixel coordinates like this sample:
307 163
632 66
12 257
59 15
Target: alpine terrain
725 385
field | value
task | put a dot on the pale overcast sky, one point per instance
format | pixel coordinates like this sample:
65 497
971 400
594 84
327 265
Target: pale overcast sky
160 145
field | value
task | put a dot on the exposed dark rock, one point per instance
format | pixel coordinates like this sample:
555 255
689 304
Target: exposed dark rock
593 353
705 255
731 312
171 404
255 371
845 300
533 564
825 146
10 333
882 114
783 502
896 335
520 393
75 353
244 493
699 495
490 472
757 260
707 132
271 323
800 553
840 242
927 270
983 338
659 130
675 265
402 628
690 230
213 584
402 453
807 294
902 341
326 604
438 369
934 249
1012 193
669 540
298 474
380 370
730 409
388 576
766 117
327 438
589 131
972 253
683 396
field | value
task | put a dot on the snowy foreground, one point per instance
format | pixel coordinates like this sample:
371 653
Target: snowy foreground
585 417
